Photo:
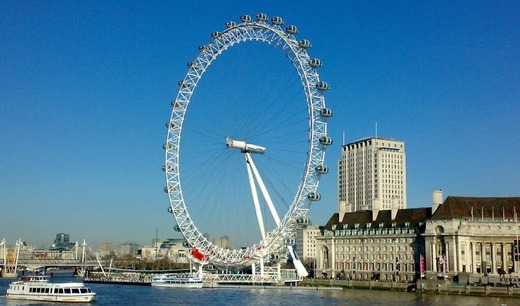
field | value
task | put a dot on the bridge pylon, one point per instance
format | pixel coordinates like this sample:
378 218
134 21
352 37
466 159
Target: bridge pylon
10 260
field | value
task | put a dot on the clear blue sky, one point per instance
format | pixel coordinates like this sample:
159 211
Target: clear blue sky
85 90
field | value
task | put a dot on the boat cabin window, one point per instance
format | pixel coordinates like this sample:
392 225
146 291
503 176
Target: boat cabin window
75 290
67 290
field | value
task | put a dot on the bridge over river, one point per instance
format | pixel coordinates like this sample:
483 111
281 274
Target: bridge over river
20 256
33 263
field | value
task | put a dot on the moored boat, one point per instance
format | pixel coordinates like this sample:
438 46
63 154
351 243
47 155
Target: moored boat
38 288
177 281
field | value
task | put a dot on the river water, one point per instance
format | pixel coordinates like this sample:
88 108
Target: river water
108 294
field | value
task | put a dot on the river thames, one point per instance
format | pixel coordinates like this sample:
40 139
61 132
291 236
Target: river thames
108 294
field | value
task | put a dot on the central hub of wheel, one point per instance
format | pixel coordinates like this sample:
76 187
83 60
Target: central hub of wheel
244 146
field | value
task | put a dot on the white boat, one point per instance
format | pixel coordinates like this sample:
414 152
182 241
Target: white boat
177 281
38 288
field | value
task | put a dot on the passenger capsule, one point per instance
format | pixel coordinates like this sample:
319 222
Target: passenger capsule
203 48
315 63
291 29
170 210
325 140
304 44
230 24
167 146
170 124
326 112
192 65
322 169
289 241
184 84
176 104
277 20
186 244
314 196
216 35
245 18
323 86
165 189
261 17
303 220
274 257
176 228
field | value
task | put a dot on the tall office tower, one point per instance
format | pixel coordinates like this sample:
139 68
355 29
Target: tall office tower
372 175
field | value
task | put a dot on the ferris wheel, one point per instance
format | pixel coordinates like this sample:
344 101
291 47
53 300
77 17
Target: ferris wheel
255 155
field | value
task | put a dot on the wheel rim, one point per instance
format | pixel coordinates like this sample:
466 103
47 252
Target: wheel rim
273 34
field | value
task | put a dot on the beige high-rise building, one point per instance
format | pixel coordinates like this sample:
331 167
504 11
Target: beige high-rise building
372 175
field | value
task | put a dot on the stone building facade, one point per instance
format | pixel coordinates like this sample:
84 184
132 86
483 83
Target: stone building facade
381 245
473 235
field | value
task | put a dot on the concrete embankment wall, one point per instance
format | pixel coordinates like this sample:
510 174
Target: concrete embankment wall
422 286
357 284
445 287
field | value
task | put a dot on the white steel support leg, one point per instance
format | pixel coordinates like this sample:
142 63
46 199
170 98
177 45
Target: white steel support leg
254 194
300 268
263 189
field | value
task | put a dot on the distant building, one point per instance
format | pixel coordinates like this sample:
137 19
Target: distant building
372 175
62 242
474 235
173 249
127 248
105 248
222 242
306 243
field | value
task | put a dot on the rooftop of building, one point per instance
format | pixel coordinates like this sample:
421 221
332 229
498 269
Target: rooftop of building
369 138
411 217
477 208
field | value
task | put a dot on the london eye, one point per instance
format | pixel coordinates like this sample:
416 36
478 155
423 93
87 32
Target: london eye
243 163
